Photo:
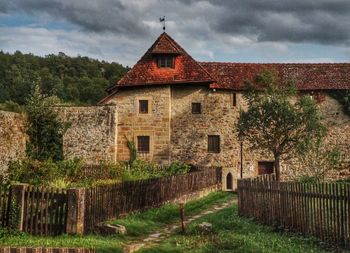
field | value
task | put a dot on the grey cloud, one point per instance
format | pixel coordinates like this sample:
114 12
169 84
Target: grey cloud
324 22
316 21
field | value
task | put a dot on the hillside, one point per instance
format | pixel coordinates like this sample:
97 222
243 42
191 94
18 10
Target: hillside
77 80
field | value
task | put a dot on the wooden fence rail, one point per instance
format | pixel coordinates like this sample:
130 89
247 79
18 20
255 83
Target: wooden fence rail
108 202
321 210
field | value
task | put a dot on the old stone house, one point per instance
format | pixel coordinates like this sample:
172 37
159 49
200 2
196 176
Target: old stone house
178 109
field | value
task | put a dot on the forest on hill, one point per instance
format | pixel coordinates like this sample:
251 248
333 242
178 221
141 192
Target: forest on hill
75 80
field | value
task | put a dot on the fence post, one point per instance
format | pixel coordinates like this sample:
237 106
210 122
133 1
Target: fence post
16 201
75 211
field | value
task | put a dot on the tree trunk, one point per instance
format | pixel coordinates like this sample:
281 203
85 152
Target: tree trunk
277 167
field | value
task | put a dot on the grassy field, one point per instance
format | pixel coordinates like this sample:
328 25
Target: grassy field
137 225
234 234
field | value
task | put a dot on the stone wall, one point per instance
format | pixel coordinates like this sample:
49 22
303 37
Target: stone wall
12 138
338 125
92 133
155 124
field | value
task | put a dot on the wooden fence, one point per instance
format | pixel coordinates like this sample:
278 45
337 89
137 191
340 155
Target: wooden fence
108 202
45 211
36 210
320 210
4 206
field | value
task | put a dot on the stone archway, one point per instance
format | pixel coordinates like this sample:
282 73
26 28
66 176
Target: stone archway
229 181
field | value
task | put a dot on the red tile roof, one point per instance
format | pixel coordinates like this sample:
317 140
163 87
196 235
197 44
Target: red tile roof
226 75
323 76
146 71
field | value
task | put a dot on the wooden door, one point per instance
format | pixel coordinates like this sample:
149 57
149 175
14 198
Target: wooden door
265 168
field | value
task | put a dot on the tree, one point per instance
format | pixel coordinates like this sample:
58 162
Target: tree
44 129
277 119
318 159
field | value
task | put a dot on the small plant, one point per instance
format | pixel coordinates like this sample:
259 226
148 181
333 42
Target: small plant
132 149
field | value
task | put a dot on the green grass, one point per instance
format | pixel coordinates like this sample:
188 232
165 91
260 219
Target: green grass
232 233
138 225
149 221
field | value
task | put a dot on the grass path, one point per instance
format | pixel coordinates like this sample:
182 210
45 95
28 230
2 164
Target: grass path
232 233
138 226
155 238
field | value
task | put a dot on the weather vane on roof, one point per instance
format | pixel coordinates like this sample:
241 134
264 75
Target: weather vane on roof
162 20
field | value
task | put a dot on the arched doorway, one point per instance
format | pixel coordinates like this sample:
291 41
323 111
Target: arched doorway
229 181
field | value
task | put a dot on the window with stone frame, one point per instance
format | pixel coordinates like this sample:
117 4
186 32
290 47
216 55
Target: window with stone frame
143 106
196 108
214 143
143 144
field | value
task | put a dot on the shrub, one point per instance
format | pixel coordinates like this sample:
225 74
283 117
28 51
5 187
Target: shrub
11 107
177 168
69 173
36 172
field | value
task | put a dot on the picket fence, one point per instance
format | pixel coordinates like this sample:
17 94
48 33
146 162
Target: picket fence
108 202
45 211
321 210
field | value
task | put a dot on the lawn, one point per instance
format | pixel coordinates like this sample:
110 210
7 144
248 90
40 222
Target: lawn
137 225
232 233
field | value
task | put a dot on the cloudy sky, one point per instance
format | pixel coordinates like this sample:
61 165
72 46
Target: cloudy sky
212 30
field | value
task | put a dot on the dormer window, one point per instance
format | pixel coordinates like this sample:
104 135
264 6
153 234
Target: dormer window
166 61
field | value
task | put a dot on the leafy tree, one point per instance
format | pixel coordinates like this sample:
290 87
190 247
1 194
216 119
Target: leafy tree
79 80
275 122
44 128
317 159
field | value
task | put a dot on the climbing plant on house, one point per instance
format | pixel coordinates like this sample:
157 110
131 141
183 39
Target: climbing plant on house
277 119
44 129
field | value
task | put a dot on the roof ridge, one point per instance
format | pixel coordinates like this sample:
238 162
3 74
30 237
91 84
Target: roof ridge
276 63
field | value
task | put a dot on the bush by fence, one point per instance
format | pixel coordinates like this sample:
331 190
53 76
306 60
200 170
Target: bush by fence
49 211
108 202
320 210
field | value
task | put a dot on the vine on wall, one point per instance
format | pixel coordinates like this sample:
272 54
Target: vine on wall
343 97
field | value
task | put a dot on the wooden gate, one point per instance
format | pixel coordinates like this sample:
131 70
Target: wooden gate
45 211
4 206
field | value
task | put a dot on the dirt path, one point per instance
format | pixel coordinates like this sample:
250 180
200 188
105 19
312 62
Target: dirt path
158 236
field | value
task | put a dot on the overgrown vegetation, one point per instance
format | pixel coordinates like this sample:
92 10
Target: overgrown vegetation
232 233
275 123
343 97
77 80
317 160
69 173
44 129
